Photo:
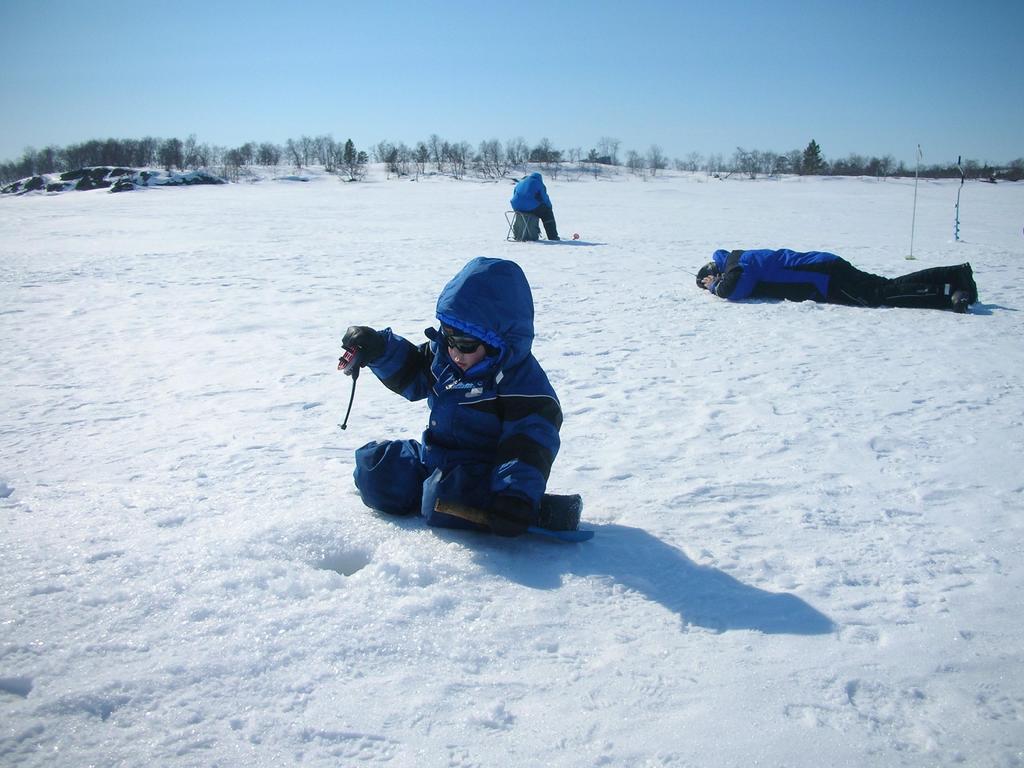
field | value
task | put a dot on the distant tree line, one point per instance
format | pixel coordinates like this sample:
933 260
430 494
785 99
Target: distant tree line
174 154
491 159
811 162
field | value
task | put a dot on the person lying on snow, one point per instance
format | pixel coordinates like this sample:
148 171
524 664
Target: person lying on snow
824 277
494 418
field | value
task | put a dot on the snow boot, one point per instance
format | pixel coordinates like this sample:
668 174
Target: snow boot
968 284
560 512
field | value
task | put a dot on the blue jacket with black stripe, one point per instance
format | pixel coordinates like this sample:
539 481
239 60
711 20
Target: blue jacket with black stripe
781 273
502 412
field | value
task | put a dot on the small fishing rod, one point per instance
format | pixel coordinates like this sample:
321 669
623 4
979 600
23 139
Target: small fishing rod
349 363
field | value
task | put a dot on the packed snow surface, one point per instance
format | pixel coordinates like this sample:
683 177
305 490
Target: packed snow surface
808 517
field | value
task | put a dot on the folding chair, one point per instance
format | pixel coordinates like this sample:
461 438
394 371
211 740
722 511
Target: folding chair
522 226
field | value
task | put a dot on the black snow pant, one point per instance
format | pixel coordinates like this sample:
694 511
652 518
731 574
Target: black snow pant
926 289
547 217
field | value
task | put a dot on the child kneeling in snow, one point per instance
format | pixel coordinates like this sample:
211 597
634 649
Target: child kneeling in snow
494 417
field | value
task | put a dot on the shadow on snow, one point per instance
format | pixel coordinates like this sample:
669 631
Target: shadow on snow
576 243
702 596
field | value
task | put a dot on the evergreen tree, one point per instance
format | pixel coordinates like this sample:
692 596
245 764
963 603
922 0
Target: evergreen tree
354 162
813 163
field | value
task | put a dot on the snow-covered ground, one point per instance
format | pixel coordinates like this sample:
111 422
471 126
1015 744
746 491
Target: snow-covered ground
808 517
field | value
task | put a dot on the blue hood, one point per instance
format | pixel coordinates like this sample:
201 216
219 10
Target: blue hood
529 193
491 300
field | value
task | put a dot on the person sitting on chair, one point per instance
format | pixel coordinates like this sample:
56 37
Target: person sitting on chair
531 196
825 277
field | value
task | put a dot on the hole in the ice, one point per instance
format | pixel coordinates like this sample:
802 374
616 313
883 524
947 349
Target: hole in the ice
19 686
345 563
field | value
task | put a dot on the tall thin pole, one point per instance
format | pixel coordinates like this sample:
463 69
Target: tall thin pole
956 224
913 218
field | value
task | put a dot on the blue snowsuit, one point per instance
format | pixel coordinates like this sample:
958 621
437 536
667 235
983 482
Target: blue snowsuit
744 272
824 277
529 193
493 429
531 196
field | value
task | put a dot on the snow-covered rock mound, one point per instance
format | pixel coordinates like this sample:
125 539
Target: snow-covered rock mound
112 178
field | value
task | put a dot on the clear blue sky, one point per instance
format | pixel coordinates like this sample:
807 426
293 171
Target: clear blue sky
873 76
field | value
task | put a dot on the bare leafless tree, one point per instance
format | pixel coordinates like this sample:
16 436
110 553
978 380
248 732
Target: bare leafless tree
436 145
381 151
746 162
190 152
517 152
491 160
794 160
543 152
635 162
457 156
609 147
327 152
715 164
656 159
307 148
293 153
421 157
268 154
404 158
387 153
170 154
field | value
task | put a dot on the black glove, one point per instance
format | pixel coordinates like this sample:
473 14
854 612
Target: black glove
363 338
509 515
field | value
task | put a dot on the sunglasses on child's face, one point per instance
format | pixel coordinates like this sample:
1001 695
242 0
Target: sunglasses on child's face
464 344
